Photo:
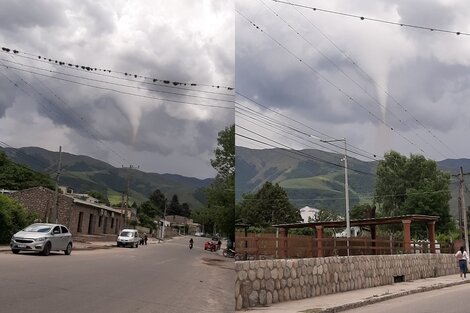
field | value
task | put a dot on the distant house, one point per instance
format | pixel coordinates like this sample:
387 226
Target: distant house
308 214
81 216
182 225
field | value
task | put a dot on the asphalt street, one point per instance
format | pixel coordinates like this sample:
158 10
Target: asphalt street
448 300
166 277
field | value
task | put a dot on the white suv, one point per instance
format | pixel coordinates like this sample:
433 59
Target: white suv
42 238
128 237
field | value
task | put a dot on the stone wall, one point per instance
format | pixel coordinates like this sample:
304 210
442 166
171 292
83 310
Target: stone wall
39 200
263 282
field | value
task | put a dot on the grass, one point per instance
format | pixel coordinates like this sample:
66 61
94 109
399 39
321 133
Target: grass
316 182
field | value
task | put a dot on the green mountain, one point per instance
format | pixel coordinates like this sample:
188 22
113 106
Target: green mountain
309 180
83 173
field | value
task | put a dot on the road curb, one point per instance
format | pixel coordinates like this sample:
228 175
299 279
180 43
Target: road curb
361 303
93 248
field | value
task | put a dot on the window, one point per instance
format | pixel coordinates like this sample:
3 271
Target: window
64 229
56 230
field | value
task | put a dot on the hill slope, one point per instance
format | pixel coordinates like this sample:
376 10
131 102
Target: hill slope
310 181
83 173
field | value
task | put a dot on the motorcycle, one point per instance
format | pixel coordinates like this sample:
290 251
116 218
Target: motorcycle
229 253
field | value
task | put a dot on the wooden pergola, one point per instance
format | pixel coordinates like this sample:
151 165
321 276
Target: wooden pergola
405 220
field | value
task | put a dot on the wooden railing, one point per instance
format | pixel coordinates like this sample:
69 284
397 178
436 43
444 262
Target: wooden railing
267 246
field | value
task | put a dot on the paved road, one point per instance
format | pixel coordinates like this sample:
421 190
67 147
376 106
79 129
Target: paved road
159 278
448 300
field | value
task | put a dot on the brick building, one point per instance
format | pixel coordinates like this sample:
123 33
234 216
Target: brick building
182 225
82 217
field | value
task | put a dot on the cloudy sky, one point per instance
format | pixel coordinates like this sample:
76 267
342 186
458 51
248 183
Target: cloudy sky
122 119
343 77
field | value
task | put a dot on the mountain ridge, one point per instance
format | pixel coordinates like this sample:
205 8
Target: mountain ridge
315 177
83 173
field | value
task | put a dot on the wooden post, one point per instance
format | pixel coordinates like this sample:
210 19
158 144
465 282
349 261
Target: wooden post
373 237
406 236
319 237
432 236
283 243
245 253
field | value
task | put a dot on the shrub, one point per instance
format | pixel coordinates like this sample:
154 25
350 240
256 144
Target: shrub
12 218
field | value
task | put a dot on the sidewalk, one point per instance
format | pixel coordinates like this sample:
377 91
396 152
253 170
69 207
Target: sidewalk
353 299
91 245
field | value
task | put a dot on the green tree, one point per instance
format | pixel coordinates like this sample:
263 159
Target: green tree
269 205
149 209
205 217
158 199
220 194
12 218
325 215
185 210
174 208
413 185
362 211
224 162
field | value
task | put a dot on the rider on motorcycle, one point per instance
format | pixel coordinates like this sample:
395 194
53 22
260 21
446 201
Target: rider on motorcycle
191 242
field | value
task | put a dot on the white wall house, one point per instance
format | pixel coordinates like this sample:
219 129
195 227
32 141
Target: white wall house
308 214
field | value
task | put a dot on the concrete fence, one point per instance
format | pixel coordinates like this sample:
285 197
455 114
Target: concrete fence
263 282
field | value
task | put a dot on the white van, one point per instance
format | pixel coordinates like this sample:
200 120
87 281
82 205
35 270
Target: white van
128 238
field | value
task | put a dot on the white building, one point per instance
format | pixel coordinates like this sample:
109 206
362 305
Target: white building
308 214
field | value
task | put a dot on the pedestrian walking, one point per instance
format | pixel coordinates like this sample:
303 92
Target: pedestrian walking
145 239
219 243
462 258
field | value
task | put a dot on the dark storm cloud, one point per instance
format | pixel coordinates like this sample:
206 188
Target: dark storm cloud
16 15
427 72
280 81
7 94
97 16
171 40
435 92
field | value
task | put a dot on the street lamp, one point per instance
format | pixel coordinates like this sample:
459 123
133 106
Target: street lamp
346 185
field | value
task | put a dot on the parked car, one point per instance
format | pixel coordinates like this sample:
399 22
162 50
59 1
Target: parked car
43 238
128 238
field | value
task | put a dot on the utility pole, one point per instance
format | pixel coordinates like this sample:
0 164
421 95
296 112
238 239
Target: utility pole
55 205
164 220
346 187
123 212
346 191
462 208
127 188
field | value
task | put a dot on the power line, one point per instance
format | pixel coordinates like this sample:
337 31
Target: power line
374 99
363 18
278 125
77 121
319 133
306 155
127 78
363 196
370 78
340 90
116 84
97 69
119 91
